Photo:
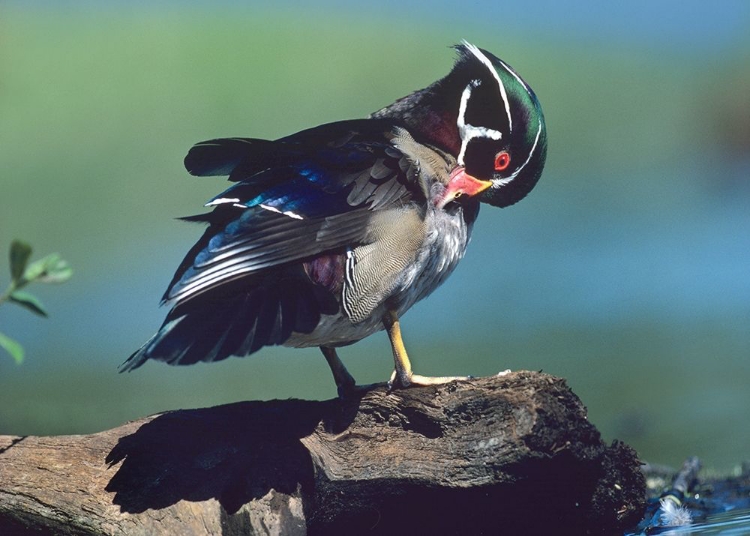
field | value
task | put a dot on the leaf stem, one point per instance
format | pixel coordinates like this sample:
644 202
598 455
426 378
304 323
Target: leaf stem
5 296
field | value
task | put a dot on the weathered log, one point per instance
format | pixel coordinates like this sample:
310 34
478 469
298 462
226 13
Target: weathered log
480 456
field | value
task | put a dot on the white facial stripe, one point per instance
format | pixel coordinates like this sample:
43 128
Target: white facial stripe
487 63
499 183
469 132
513 73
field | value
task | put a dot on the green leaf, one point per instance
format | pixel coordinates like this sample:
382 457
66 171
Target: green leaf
19 256
35 270
50 269
29 301
13 348
57 270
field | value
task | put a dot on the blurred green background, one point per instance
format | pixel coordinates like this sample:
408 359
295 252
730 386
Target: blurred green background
627 270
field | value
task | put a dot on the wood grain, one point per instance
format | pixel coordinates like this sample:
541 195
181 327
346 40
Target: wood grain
489 455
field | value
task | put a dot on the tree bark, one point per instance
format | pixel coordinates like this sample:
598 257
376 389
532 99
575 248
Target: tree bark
481 456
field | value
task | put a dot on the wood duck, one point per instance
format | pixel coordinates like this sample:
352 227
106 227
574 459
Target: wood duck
333 233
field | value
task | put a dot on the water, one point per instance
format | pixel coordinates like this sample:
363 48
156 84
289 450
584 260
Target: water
729 523
733 522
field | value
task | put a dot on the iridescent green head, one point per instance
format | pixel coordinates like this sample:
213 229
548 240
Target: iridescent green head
501 126
488 118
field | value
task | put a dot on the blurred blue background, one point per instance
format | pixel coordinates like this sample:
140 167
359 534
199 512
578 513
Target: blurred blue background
626 271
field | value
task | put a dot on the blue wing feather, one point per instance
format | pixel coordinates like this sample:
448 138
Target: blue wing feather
299 197
313 186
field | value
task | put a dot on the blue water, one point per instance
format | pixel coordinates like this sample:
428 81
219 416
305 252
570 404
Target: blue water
733 522
729 523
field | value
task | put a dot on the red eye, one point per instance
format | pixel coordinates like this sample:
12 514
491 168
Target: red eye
502 161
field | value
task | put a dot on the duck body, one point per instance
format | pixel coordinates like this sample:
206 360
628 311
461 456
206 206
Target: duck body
331 234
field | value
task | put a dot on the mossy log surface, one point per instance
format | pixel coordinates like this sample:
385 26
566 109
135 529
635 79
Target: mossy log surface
482 456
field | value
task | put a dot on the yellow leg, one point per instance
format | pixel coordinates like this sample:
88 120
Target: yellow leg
402 375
